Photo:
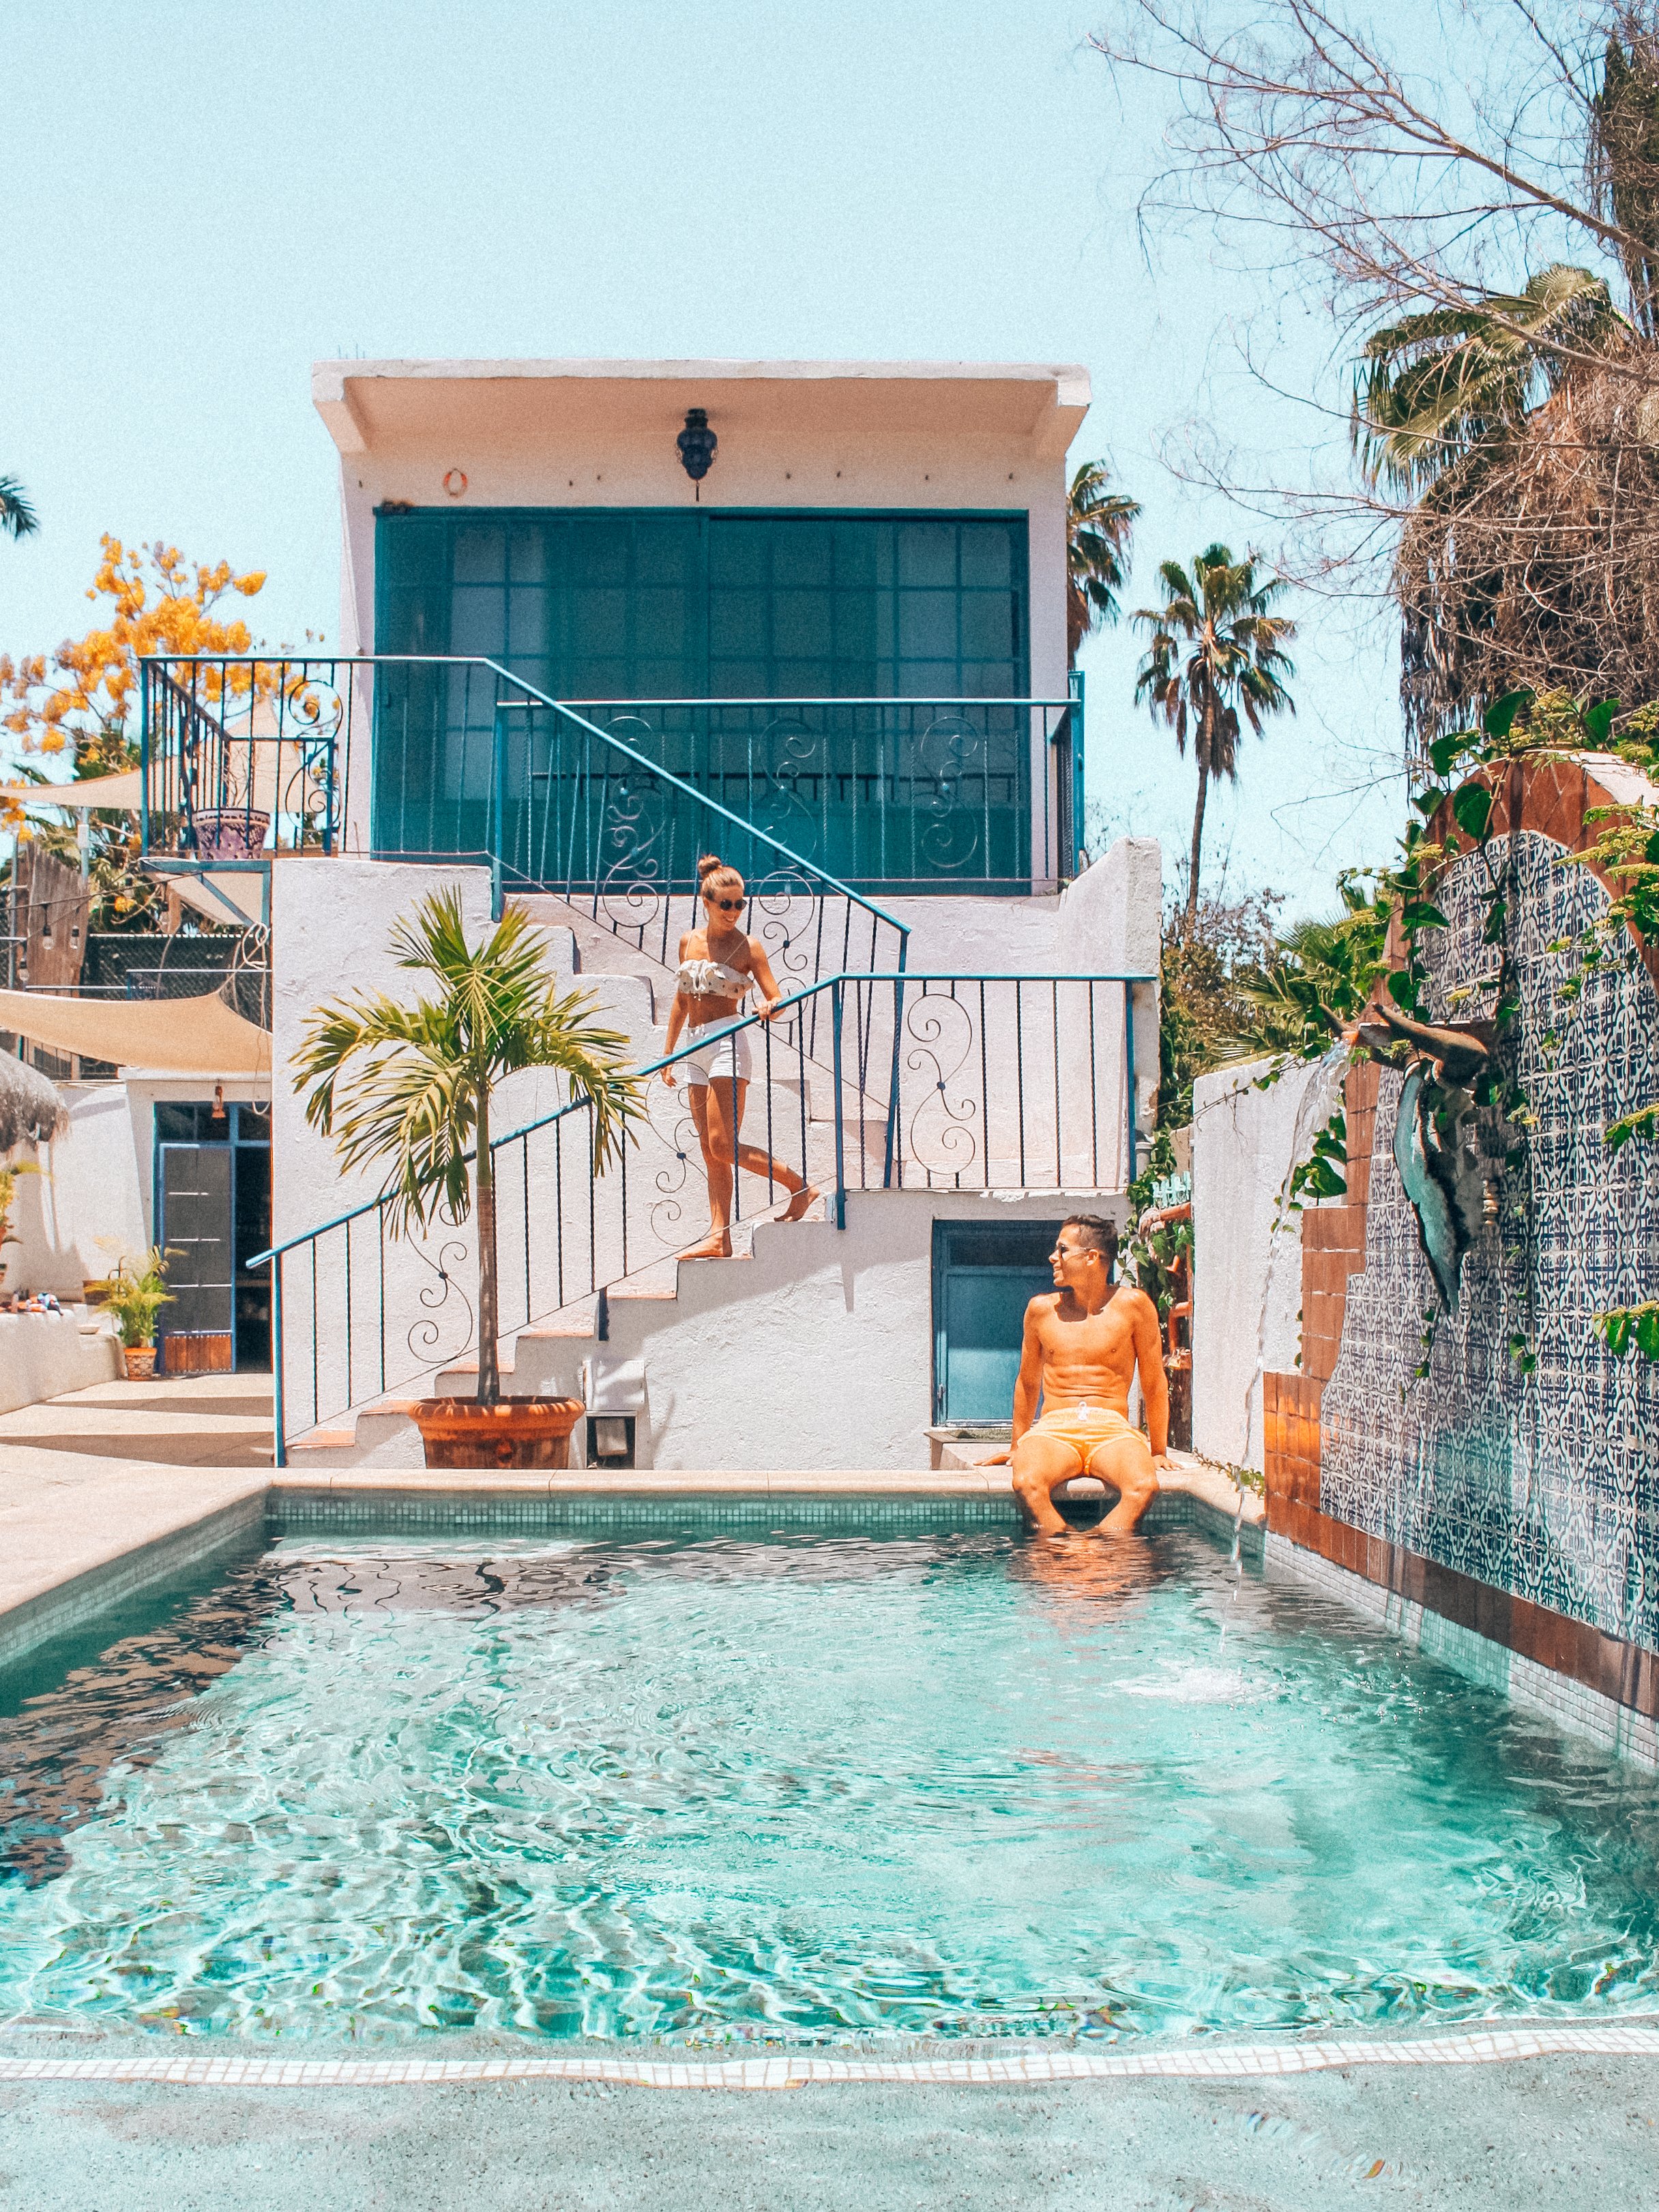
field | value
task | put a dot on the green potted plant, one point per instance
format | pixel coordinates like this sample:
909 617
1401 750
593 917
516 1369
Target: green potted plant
137 1292
411 1085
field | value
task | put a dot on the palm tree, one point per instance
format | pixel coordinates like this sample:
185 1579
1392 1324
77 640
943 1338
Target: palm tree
1099 525
1437 394
419 1093
17 517
1216 652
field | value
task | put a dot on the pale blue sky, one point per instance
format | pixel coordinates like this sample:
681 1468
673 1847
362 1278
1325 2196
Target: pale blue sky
197 204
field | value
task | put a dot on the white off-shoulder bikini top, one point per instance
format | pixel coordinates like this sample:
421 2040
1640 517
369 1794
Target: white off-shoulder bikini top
713 979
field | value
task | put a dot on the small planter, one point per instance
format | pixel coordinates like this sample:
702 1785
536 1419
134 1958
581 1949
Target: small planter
517 1432
94 1293
231 833
140 1361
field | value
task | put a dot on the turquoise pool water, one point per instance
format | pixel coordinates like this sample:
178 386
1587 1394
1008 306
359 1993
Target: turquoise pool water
708 1786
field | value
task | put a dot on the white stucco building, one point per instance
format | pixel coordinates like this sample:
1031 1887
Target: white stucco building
599 618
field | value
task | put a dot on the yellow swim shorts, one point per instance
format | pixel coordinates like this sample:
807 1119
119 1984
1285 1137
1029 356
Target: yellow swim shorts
1085 1428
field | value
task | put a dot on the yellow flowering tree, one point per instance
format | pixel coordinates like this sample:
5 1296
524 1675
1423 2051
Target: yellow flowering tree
82 699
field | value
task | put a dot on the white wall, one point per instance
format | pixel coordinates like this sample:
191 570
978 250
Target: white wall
1247 1285
95 1196
818 1353
43 1355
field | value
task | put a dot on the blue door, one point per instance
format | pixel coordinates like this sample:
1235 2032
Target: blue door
985 1274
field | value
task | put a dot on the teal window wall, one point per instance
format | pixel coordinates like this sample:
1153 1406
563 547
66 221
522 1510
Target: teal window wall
624 606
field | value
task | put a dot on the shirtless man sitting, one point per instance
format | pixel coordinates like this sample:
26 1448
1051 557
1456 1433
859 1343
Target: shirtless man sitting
1083 1342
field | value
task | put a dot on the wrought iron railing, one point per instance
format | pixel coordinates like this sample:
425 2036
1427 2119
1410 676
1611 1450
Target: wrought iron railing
910 795
245 755
995 1083
247 758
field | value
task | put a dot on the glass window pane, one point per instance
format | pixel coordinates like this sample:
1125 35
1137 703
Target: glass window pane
480 555
659 622
526 623
801 553
800 624
986 553
738 551
599 552
737 624
666 550
527 553
476 624
599 623
927 553
926 625
987 625
856 543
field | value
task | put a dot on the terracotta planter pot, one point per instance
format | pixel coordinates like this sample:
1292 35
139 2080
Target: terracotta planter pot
141 1361
231 833
516 1432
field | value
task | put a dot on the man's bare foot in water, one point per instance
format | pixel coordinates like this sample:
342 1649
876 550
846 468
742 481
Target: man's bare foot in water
796 1209
715 1246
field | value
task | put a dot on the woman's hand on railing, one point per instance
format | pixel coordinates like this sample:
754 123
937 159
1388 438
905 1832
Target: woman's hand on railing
767 1009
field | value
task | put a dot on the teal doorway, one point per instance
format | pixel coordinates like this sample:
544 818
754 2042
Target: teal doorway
985 1274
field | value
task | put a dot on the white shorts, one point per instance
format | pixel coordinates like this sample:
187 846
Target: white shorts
725 1055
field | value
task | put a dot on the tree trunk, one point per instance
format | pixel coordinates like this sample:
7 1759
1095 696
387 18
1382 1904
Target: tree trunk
489 1373
1198 844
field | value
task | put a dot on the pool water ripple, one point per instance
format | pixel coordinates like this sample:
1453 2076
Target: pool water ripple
713 1786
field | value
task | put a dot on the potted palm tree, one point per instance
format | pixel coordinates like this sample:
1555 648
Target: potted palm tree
411 1085
137 1292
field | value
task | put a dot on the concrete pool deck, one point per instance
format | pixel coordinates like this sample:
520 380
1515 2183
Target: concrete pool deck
1566 2134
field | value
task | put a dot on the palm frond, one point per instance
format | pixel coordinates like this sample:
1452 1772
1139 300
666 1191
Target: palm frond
1099 526
1434 392
17 516
408 1083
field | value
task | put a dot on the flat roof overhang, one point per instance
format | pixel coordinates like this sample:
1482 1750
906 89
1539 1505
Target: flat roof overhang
400 406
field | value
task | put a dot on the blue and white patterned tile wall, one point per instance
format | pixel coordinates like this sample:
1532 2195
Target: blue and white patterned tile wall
1546 1484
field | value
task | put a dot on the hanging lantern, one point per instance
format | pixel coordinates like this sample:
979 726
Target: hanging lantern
696 443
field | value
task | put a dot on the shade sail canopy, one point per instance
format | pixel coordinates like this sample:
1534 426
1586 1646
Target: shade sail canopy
186 1036
125 790
29 1107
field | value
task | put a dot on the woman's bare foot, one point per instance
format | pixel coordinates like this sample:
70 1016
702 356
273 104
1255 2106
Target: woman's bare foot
796 1209
716 1246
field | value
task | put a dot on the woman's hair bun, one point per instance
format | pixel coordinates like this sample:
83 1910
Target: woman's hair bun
707 866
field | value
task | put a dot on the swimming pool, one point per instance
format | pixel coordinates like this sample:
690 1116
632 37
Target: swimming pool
708 1784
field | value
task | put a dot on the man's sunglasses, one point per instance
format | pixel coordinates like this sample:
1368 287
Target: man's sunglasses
728 906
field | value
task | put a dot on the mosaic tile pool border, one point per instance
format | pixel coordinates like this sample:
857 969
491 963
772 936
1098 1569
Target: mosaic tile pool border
1571 1704
1486 2047
293 1512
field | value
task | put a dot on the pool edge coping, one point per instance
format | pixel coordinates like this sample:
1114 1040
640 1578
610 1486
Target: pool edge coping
187 1539
1468 2047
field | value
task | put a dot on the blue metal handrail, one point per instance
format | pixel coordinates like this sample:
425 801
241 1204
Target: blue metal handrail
935 1125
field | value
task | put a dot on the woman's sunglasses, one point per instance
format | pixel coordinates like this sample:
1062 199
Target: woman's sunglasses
727 906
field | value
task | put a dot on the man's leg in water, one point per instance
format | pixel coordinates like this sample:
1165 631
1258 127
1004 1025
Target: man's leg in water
1041 1465
1124 1465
